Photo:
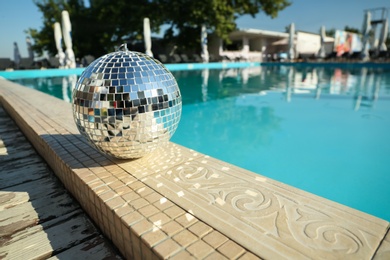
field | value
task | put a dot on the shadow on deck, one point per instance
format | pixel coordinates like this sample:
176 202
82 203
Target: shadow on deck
38 217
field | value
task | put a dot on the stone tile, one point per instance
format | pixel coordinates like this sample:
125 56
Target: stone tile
110 180
167 248
200 229
128 180
116 185
131 218
171 228
249 256
126 234
137 185
131 196
136 246
148 210
142 227
215 239
216 256
154 237
174 211
101 189
163 204
231 250
115 203
153 197
139 203
186 220
146 251
167 157
185 238
200 249
144 191
159 219
108 195
182 255
123 190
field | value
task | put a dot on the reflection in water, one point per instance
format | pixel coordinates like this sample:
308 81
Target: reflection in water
60 87
360 84
363 85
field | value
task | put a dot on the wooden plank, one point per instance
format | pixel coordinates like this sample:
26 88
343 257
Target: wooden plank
51 241
8 127
22 234
95 248
20 146
30 213
16 156
15 195
12 177
20 163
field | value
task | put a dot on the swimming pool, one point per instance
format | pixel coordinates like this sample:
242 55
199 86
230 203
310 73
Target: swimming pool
321 129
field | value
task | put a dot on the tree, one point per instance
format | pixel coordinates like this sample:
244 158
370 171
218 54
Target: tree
104 24
187 16
330 32
351 29
51 10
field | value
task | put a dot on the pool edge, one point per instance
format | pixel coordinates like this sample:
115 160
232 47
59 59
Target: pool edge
124 197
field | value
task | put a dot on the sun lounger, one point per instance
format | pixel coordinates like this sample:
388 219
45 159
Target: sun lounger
5 63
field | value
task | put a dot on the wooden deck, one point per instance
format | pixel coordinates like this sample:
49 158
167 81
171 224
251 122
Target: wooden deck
39 219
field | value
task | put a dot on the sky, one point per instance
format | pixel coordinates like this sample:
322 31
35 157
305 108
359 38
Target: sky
16 16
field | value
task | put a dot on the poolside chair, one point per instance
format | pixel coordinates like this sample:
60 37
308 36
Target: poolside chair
185 58
54 62
5 63
213 58
176 58
86 60
197 58
26 64
42 63
162 58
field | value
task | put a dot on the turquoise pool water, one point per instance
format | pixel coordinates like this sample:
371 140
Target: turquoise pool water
321 129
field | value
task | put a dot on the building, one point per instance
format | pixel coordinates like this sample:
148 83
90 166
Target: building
263 45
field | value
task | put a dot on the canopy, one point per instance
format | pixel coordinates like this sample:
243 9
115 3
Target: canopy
291 45
203 41
58 41
147 38
70 61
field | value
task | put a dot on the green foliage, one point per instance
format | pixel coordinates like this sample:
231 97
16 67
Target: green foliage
330 32
103 24
351 29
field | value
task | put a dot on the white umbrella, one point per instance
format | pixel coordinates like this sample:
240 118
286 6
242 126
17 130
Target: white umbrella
29 48
147 38
16 54
70 61
322 53
203 42
366 36
291 46
58 41
383 37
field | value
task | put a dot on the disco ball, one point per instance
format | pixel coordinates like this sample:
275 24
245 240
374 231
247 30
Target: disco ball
126 104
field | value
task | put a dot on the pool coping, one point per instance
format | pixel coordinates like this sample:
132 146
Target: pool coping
36 73
176 202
